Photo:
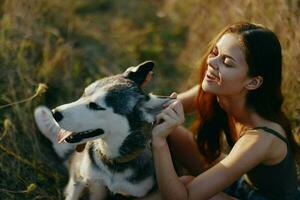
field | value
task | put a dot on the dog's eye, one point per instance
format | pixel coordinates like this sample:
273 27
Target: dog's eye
94 106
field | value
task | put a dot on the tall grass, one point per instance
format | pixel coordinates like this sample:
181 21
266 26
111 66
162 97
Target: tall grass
68 44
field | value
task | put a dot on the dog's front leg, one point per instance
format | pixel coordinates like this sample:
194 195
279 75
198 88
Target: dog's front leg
97 191
74 189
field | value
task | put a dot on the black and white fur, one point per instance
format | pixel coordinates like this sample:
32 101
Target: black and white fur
113 118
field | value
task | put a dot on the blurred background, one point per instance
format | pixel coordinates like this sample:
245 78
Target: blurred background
68 44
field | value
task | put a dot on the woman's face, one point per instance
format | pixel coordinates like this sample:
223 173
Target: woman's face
227 69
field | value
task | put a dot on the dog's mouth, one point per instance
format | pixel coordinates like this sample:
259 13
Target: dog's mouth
73 137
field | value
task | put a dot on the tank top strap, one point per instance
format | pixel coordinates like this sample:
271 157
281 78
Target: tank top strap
273 132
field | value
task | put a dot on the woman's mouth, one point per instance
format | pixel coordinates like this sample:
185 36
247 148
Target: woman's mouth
210 77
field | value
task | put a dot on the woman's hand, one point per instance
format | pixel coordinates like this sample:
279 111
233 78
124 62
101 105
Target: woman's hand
168 119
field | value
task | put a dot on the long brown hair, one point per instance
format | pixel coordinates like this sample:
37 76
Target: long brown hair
264 58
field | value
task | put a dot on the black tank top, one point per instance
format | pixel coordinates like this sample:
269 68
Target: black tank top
277 181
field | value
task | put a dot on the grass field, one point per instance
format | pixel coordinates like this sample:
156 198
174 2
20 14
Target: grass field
68 44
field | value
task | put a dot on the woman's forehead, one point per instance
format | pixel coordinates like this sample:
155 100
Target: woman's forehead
230 44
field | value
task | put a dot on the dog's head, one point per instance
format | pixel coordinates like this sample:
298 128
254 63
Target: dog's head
111 108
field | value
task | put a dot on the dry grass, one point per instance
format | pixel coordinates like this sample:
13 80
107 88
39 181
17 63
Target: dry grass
67 44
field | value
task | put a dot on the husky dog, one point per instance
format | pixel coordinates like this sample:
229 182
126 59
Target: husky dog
110 127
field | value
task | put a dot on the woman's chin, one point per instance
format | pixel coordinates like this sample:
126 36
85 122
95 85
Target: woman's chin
206 87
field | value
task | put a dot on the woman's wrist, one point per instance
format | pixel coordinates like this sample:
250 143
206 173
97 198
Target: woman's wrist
158 142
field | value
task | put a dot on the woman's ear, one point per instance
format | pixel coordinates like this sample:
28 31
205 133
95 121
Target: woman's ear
254 83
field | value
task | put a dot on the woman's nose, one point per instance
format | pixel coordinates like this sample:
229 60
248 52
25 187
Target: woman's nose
213 62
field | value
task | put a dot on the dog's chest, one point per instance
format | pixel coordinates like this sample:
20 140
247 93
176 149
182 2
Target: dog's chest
117 181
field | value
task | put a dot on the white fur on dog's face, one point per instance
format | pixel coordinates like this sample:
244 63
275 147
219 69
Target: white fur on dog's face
78 117
114 99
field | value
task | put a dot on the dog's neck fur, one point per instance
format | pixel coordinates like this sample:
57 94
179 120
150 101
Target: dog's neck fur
121 159
131 148
133 154
107 148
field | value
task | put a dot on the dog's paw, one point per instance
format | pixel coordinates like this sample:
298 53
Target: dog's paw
46 123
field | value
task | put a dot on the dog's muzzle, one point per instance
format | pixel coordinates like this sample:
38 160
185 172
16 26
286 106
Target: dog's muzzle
73 137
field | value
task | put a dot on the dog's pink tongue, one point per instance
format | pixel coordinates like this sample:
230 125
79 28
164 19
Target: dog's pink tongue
62 135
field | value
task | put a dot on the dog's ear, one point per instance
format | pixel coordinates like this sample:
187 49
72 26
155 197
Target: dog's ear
139 73
153 105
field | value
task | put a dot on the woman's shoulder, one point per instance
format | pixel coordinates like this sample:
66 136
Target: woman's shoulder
267 130
251 149
273 137
255 137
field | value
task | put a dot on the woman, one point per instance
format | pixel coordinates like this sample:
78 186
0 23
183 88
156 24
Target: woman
239 95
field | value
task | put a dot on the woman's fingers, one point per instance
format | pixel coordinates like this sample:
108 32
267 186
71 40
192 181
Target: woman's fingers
169 111
169 118
177 107
164 118
173 95
173 114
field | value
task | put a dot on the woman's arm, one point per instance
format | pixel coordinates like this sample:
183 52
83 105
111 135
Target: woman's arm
241 159
181 141
188 99
169 183
184 149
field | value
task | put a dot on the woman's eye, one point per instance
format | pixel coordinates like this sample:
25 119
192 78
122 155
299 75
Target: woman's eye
94 106
227 63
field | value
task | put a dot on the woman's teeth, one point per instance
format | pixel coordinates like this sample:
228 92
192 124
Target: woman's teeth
213 77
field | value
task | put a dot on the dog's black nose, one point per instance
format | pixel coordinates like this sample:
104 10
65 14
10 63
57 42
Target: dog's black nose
57 115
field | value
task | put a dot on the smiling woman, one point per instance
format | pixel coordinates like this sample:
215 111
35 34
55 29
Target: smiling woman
227 66
239 98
